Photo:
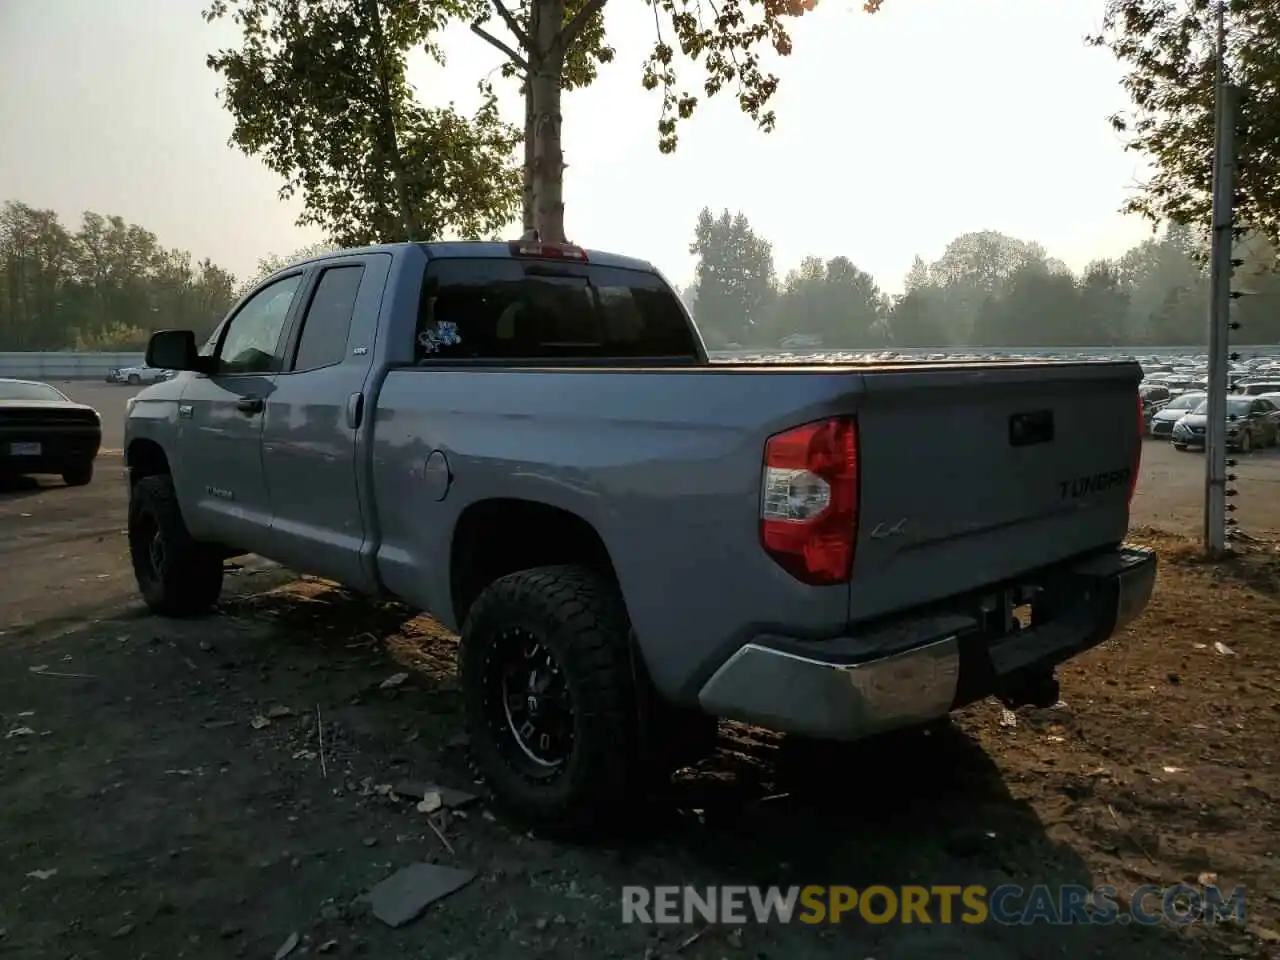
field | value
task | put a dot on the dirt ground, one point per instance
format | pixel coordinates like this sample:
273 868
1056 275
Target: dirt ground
211 788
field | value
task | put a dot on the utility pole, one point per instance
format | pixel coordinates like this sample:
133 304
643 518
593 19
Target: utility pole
1224 163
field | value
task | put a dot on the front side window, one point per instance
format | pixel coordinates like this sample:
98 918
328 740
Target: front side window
253 335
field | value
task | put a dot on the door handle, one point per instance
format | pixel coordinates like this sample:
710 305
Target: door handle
355 410
250 405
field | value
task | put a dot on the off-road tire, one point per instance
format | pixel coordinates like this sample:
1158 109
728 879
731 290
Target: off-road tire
579 617
187 580
78 476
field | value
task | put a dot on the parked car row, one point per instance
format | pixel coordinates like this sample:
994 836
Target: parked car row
1252 422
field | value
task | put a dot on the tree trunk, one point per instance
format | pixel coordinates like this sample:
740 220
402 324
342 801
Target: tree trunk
527 193
546 65
387 128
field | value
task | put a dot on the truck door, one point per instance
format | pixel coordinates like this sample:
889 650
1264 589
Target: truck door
316 419
220 482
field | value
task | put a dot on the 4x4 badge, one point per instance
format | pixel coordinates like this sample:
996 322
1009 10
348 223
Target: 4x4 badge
883 531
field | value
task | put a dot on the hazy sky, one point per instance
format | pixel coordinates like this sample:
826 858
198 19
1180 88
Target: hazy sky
896 132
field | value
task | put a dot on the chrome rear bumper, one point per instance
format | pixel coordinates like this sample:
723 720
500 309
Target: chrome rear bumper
833 689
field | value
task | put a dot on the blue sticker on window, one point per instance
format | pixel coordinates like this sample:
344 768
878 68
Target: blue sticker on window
444 334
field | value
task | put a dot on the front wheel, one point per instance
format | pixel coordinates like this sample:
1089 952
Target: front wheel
177 576
1180 446
1246 442
550 697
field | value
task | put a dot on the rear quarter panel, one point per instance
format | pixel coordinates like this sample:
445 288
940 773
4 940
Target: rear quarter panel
665 465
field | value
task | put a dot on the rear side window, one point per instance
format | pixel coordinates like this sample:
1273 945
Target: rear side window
482 309
328 321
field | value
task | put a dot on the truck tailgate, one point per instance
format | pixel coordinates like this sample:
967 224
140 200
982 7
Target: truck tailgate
973 475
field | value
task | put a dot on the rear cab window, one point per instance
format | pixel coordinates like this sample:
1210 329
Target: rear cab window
492 308
327 324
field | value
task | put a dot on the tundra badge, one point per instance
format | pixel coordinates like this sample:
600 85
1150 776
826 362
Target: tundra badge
1094 483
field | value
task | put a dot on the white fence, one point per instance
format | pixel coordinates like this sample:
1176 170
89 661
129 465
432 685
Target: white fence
64 365
70 365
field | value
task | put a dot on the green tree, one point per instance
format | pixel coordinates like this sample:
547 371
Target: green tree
556 45
39 262
274 261
832 300
918 318
318 92
1168 293
974 267
106 286
1168 52
734 277
1036 306
1103 307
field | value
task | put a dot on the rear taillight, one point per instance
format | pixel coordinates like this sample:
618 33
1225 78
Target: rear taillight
809 500
1137 450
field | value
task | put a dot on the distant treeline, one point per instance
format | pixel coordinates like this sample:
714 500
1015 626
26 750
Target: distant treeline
104 286
987 289
108 284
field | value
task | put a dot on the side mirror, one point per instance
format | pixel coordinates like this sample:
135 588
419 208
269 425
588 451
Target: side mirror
173 350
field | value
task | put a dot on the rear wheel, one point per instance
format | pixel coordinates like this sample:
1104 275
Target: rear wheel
1246 442
78 476
550 697
134 380
1180 446
177 576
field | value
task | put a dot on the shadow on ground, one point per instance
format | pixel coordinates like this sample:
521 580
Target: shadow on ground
18 487
207 788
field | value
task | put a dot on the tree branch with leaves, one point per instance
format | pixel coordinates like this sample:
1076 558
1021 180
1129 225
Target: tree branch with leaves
557 45
1167 48
318 92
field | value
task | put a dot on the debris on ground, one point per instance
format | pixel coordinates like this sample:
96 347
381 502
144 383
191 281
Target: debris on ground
286 948
402 897
447 796
393 681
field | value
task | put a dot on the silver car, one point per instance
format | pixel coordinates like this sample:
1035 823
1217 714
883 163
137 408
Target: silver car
1163 420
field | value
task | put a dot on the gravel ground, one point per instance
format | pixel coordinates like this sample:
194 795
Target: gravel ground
219 787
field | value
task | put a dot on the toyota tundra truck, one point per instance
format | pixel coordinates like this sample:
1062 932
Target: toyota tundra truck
529 442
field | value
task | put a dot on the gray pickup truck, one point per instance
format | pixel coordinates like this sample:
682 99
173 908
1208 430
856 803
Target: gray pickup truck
529 442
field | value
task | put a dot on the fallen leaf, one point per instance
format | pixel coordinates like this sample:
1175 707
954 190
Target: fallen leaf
259 722
42 874
393 681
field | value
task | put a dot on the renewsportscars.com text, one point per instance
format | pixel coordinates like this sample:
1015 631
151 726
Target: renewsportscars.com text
1010 904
